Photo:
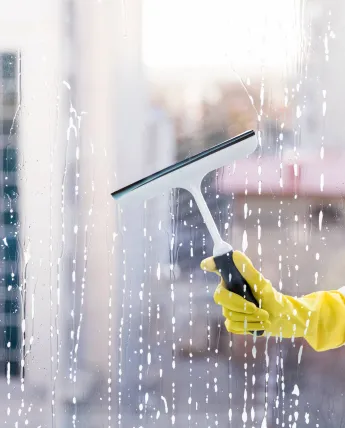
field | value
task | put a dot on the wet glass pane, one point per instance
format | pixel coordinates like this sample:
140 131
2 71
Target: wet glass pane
10 218
10 191
9 159
9 65
106 317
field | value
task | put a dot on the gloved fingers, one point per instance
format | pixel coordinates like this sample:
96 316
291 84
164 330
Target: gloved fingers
245 327
259 316
233 301
209 265
254 278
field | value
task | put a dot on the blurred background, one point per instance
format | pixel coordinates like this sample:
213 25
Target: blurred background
106 318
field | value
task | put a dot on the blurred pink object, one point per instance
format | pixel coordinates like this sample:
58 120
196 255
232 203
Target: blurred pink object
307 174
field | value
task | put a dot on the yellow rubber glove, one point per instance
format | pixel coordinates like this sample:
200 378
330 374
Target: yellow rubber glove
318 317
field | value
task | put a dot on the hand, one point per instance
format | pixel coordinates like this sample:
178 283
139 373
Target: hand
318 317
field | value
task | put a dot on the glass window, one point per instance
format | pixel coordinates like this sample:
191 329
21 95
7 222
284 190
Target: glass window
11 321
10 159
106 317
10 218
9 65
11 337
10 249
11 307
11 191
10 280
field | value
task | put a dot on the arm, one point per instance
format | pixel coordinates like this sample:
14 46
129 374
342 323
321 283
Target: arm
318 317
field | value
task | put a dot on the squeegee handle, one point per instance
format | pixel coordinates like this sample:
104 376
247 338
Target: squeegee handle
233 279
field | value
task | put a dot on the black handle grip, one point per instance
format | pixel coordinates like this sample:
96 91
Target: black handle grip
233 279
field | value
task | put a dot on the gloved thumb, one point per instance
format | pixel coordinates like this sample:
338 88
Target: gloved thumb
254 278
209 265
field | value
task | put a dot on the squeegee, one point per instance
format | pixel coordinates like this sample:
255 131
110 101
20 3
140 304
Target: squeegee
188 174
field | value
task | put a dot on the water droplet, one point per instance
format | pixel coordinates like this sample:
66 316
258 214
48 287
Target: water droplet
244 241
322 182
298 112
295 390
245 207
300 354
320 219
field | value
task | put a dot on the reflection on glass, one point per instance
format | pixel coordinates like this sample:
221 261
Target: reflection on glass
10 319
